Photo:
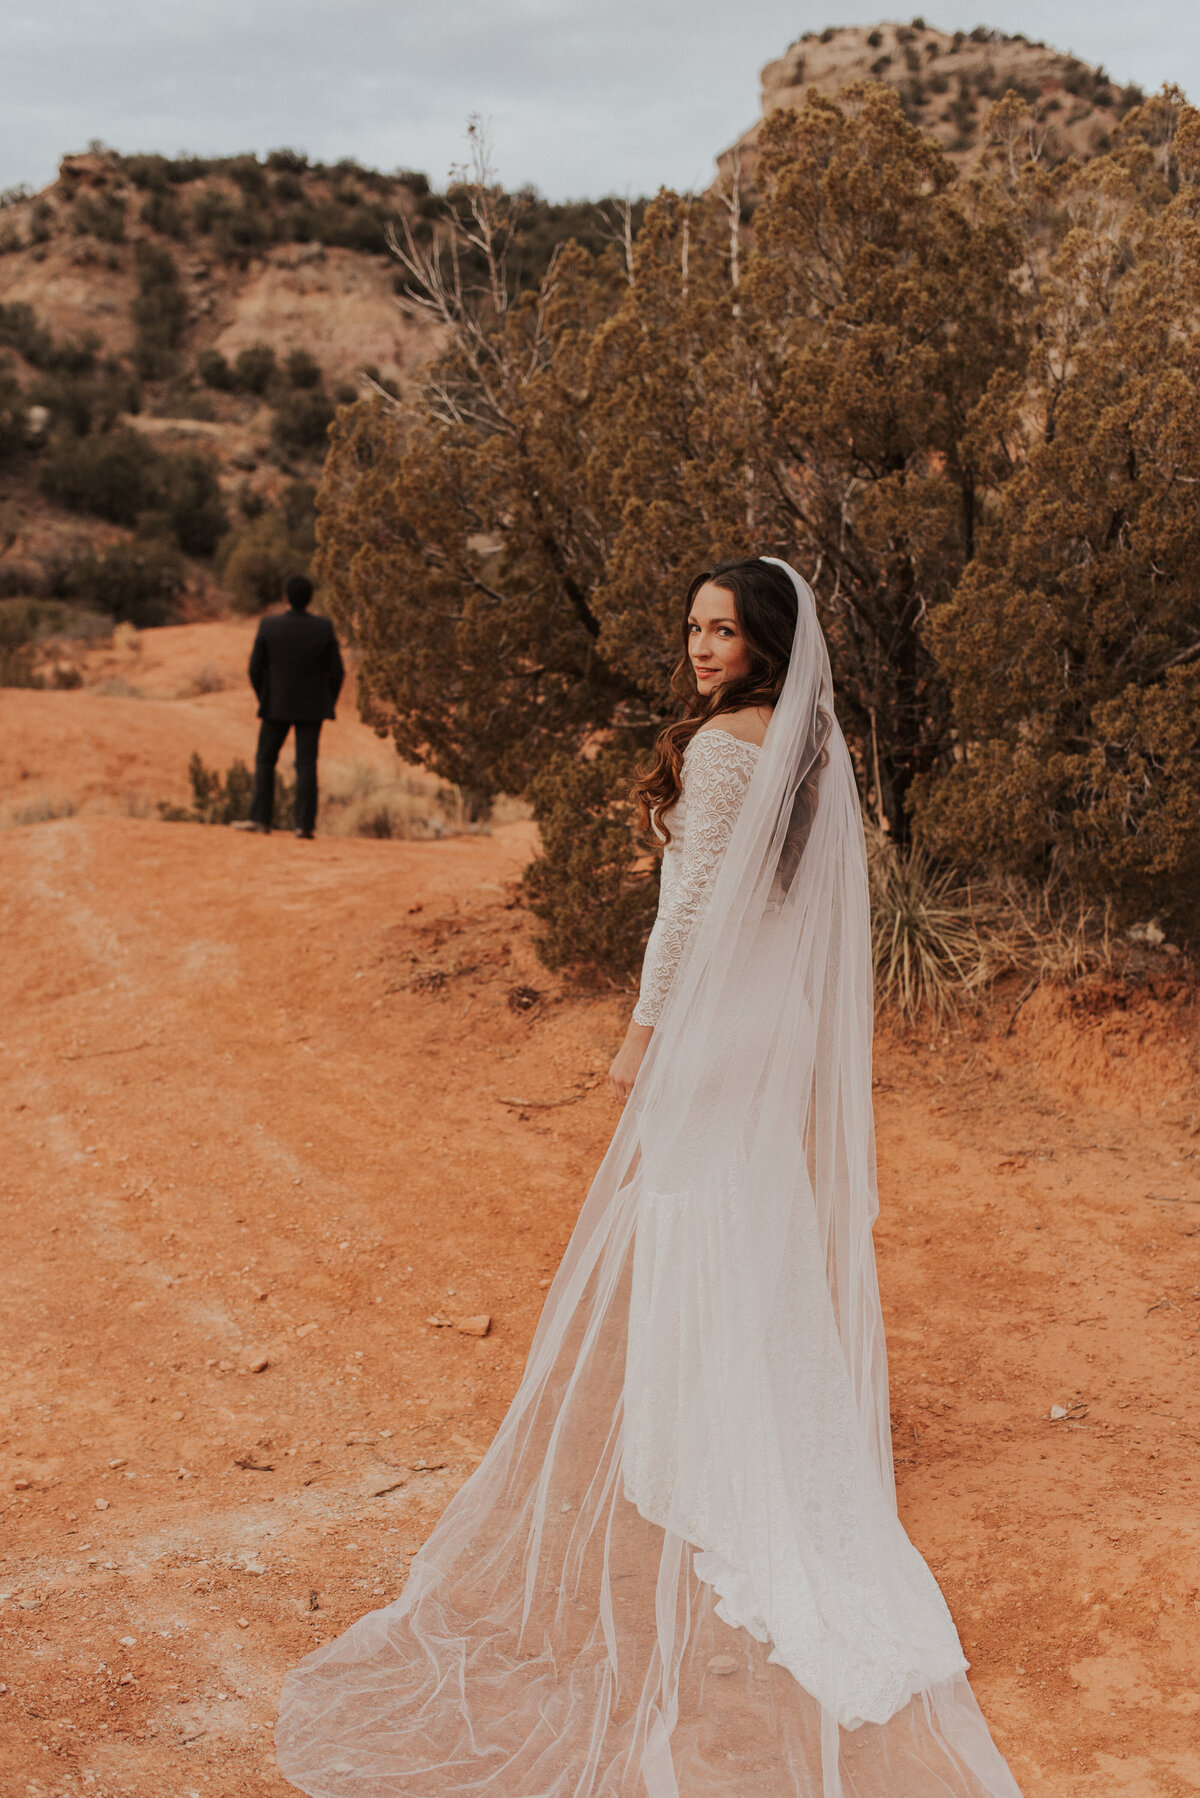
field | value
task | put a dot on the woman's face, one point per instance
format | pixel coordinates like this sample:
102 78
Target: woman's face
718 651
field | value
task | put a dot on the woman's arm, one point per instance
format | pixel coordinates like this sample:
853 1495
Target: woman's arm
718 773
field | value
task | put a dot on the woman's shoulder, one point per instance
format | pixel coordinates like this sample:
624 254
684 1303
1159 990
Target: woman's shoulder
748 726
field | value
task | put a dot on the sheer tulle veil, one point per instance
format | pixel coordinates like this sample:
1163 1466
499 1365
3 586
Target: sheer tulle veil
741 1611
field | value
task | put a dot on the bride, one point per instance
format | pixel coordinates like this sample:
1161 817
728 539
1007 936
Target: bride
679 1571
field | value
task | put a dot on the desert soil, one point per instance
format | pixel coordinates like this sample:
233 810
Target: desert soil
272 1106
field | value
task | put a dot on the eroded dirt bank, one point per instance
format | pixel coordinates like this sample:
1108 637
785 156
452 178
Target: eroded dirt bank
263 1102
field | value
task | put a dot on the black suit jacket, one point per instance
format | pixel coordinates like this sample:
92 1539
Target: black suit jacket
296 667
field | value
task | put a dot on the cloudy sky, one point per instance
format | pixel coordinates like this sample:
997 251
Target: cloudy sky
583 97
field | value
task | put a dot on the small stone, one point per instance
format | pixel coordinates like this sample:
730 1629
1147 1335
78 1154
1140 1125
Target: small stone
257 1364
119 1462
475 1326
27 1604
177 1416
253 1567
243 1623
128 1641
126 1679
722 1663
102 1504
1057 1411
225 1366
20 1485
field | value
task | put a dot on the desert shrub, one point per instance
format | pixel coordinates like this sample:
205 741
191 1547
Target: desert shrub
209 209
99 215
255 368
287 162
288 189
91 398
159 311
300 426
13 415
113 475
225 798
189 493
875 38
595 904
245 229
18 666
275 542
120 476
255 561
249 175
303 370
135 583
162 212
214 371
298 506
20 331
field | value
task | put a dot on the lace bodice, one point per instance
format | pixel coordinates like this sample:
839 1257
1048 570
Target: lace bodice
715 774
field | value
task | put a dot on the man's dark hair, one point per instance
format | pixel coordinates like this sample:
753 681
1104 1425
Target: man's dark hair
298 590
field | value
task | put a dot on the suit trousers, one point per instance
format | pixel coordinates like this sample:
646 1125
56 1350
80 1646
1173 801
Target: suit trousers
272 733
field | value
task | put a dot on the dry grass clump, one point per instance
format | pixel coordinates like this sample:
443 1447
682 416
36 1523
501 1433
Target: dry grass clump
939 941
926 945
359 800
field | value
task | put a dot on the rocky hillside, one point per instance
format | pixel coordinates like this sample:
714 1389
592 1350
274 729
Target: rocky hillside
946 81
175 338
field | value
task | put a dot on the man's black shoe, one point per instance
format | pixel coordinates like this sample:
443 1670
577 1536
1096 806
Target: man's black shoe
305 835
252 825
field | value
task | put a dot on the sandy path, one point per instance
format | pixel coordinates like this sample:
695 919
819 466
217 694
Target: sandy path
255 1095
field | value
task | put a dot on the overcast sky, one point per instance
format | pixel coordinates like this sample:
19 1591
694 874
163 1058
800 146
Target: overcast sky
583 97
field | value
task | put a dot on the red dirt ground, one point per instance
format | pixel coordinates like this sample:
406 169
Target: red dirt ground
269 1099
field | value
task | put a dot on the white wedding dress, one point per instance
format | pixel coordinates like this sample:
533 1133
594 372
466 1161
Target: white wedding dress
678 1571
741 1435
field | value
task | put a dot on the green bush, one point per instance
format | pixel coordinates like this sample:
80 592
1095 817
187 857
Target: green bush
255 368
120 476
225 799
20 331
191 498
113 476
275 542
215 371
210 209
91 399
301 423
163 213
159 312
17 647
137 583
303 370
13 410
255 562
592 892
99 215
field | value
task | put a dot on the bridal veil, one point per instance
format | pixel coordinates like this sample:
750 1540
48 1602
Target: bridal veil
678 1572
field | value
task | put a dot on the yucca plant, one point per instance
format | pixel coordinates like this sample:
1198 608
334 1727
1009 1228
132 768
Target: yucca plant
926 946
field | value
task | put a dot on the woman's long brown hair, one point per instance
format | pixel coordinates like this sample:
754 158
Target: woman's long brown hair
764 601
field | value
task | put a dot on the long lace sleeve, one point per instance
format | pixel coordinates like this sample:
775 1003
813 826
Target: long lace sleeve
716 773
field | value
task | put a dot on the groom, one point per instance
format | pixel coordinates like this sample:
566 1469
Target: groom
296 670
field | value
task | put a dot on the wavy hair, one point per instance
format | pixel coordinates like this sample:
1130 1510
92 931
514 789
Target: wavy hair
764 601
